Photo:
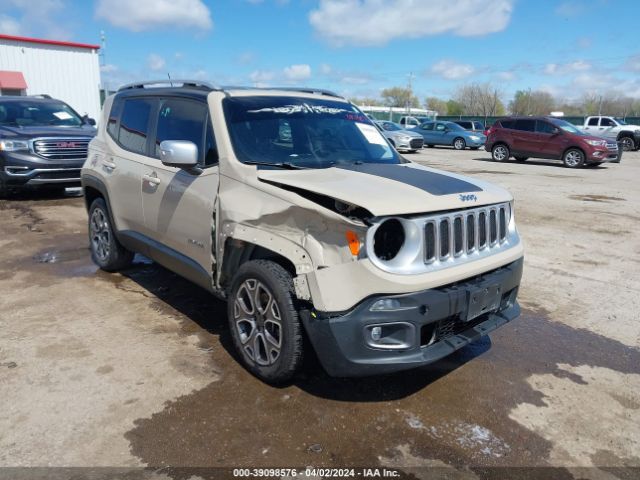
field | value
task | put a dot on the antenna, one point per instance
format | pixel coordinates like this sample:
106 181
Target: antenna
170 82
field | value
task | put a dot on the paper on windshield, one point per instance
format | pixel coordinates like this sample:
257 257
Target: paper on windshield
62 115
371 133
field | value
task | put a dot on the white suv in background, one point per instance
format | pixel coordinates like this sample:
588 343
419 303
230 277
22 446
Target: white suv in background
293 207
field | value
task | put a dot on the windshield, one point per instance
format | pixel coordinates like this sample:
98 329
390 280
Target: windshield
567 127
303 132
621 121
391 127
453 126
26 113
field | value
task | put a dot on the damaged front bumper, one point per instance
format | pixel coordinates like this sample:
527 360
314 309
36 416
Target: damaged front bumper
389 333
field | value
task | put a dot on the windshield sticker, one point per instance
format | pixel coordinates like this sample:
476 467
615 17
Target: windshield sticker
303 108
62 115
371 133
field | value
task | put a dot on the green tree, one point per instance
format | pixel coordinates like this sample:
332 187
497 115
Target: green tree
527 102
367 101
400 97
437 104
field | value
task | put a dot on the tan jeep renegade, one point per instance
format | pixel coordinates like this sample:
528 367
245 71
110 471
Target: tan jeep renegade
292 206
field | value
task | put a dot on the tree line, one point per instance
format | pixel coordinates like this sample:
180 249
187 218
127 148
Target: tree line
486 100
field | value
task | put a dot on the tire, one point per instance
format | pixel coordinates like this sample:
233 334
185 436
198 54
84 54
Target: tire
628 143
573 158
595 164
429 146
277 329
521 159
106 251
459 143
500 152
4 192
474 148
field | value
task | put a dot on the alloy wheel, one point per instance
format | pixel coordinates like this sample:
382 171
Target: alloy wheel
459 144
573 158
627 144
500 153
258 322
100 234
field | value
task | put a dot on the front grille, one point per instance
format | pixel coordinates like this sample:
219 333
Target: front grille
458 233
62 148
613 146
416 143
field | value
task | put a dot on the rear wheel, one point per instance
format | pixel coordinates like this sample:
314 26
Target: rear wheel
264 321
628 143
474 148
573 158
430 146
459 143
521 159
106 251
500 153
4 192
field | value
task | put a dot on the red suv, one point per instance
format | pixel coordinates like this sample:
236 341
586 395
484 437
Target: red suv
548 137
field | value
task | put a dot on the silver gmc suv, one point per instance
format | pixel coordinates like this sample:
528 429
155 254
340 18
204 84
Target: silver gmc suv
292 206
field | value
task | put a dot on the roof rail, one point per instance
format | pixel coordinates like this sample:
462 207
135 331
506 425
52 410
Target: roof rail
317 91
41 95
171 83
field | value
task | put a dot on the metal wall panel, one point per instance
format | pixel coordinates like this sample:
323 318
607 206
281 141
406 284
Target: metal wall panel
70 74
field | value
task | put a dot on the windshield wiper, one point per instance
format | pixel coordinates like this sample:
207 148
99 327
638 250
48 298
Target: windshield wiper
285 165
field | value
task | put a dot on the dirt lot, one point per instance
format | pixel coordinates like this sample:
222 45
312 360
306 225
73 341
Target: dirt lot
135 369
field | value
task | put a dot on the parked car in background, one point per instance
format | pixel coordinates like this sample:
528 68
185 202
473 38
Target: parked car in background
43 143
548 137
472 125
401 139
409 122
450 133
614 129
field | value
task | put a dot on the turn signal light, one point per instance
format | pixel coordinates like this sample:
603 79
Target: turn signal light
354 242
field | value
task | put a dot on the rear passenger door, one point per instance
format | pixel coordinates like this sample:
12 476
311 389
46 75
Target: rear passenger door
524 136
426 130
178 204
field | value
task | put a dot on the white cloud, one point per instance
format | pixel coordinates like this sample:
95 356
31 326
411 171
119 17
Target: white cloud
376 22
566 68
9 25
506 76
296 73
109 68
139 15
451 70
155 62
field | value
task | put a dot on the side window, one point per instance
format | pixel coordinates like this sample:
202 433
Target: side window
593 122
180 119
134 124
526 125
427 126
544 127
507 123
114 116
440 127
478 126
607 122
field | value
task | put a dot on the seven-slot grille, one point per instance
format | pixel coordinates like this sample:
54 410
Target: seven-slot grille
477 230
613 146
61 148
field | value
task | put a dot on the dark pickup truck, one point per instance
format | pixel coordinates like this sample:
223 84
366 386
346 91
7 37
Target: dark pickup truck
43 143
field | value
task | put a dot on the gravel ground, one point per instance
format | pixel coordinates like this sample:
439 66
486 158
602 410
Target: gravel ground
136 370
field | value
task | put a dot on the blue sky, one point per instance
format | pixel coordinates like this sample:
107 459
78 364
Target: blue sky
356 47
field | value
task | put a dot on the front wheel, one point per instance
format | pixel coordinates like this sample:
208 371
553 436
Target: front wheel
500 153
521 159
628 144
459 143
573 158
106 251
264 321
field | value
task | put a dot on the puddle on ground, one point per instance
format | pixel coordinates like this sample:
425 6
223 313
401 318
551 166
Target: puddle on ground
455 411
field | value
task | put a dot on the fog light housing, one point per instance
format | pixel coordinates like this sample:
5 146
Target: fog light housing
389 305
597 154
390 336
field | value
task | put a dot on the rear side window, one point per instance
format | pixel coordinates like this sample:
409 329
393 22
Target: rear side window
114 116
464 124
526 125
180 119
507 123
427 126
607 122
134 124
478 126
544 127
593 122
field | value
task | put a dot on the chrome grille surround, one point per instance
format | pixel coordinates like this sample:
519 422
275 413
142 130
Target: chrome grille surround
444 240
61 148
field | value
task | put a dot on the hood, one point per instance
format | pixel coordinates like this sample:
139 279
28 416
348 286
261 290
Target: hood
402 133
43 131
386 189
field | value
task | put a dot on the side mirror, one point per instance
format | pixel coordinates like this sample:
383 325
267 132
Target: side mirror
555 131
179 153
88 120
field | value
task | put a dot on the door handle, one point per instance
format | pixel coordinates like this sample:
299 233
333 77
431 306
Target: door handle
151 178
109 164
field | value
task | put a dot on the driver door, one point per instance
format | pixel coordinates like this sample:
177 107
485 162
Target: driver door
178 204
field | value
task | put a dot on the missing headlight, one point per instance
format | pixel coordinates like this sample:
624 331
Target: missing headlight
388 239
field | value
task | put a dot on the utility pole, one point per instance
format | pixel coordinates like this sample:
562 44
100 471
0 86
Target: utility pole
529 101
410 88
